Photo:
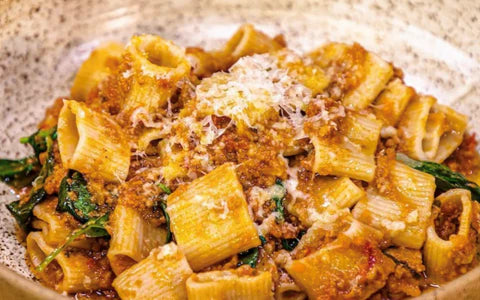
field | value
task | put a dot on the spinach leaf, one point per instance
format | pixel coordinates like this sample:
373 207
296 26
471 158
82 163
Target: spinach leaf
162 204
165 188
93 228
250 257
263 240
74 197
19 173
290 244
278 193
23 211
445 179
38 140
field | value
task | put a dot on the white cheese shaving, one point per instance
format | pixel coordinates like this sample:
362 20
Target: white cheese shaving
412 217
166 251
328 216
127 73
394 227
254 88
223 206
291 184
388 132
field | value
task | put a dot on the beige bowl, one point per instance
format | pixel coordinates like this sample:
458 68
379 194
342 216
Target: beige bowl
42 43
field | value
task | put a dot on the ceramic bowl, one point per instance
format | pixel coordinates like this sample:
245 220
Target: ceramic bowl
42 43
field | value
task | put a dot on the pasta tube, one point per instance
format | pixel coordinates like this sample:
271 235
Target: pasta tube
210 218
391 103
404 216
101 63
92 143
443 257
430 131
74 273
132 238
157 66
342 263
162 275
229 285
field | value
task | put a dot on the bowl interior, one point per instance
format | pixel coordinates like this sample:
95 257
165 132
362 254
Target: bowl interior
42 45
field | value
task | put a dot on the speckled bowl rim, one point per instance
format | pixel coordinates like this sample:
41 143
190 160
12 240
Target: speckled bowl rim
23 288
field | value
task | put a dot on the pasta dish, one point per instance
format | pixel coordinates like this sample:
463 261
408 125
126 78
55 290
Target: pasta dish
246 172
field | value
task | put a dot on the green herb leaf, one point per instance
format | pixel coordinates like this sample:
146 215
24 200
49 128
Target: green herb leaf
249 257
402 263
262 239
445 179
278 193
93 228
38 139
19 173
23 212
74 197
290 244
163 206
165 188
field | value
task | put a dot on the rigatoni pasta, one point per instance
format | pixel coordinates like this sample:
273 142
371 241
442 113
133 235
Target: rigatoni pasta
210 218
431 131
162 274
101 63
344 265
229 285
249 171
92 142
132 238
157 66
404 215
72 273
446 255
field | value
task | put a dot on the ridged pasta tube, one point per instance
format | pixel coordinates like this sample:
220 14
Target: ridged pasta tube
76 275
210 218
230 285
439 254
430 131
132 238
157 66
99 65
92 143
162 275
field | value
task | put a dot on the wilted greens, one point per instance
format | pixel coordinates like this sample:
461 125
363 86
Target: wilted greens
74 197
20 173
278 196
445 179
290 244
162 204
93 228
38 140
250 257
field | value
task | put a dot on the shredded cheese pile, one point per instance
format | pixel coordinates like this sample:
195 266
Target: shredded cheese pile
254 90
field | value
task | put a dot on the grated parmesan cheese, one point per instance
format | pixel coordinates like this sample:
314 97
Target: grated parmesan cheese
326 217
254 89
394 227
166 251
211 205
291 184
127 74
